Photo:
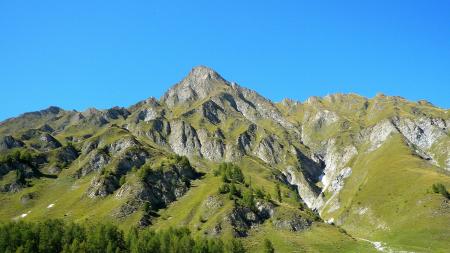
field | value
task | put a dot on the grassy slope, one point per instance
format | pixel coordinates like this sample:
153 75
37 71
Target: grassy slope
70 203
388 198
190 210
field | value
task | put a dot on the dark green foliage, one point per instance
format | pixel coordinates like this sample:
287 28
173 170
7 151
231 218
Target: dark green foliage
237 188
440 188
260 193
248 199
122 180
234 191
20 176
230 173
147 207
224 188
18 159
178 240
56 236
183 161
268 247
173 162
19 156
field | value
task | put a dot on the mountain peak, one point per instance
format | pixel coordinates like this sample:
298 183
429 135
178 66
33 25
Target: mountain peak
201 82
203 72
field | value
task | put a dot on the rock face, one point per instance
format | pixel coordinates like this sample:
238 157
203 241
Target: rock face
243 218
96 161
8 142
183 139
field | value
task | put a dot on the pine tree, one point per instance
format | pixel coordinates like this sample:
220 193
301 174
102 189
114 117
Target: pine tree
268 247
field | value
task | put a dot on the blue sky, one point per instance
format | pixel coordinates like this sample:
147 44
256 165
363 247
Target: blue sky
79 54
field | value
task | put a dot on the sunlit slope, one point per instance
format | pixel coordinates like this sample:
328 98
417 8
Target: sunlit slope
388 198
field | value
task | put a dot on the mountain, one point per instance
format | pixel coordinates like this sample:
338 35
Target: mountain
340 173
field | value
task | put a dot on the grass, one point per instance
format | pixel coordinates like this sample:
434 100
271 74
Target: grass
190 211
320 238
394 187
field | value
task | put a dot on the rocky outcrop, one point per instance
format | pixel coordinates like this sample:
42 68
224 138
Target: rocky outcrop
108 181
96 161
212 112
8 142
290 220
269 150
147 115
335 159
183 139
308 192
159 131
64 157
242 218
334 188
157 188
247 139
255 107
102 185
212 147
379 133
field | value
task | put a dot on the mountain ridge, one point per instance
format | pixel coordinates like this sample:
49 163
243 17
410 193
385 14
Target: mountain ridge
328 154
202 72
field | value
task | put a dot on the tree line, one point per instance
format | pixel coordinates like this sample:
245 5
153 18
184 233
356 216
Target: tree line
58 236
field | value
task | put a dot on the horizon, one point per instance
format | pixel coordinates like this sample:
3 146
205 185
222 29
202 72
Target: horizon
230 81
100 55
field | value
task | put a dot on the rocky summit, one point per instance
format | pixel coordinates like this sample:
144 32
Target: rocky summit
340 173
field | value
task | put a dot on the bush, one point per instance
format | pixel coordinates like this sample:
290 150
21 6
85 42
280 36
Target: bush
248 200
234 191
268 247
230 173
440 188
122 180
224 188
147 207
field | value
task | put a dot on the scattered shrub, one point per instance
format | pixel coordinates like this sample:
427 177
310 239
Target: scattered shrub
122 180
268 247
440 188
224 188
230 173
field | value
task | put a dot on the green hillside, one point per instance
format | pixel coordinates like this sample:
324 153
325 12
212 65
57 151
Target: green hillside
342 173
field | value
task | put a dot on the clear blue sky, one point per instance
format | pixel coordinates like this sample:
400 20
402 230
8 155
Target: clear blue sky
105 53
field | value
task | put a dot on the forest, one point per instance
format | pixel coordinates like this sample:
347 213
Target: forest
58 236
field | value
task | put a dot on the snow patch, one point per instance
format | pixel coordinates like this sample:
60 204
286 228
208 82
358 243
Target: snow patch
382 247
22 215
